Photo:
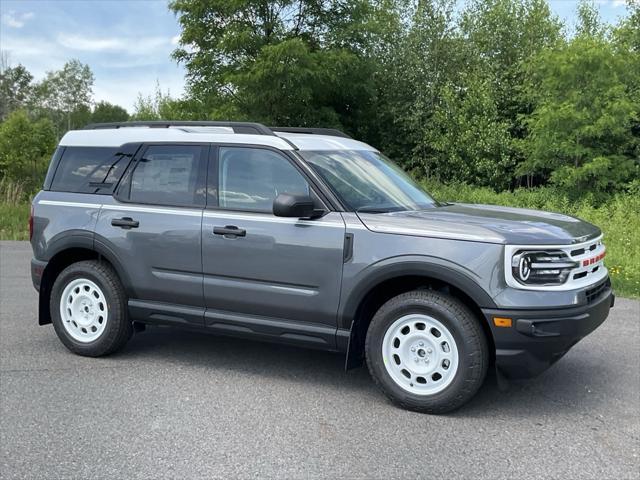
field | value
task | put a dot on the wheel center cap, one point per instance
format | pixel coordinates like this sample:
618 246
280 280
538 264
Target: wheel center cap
422 353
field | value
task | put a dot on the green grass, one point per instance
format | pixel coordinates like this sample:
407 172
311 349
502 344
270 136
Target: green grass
14 221
619 219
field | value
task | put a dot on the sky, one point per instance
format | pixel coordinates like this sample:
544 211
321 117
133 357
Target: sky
128 43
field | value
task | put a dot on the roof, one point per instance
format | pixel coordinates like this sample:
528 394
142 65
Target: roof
283 138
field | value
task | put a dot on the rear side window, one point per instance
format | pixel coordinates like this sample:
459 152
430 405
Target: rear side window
90 169
170 175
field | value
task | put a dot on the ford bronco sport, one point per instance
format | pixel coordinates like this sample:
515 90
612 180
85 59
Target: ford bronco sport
305 237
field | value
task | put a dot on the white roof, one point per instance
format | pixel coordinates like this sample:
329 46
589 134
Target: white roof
114 137
323 142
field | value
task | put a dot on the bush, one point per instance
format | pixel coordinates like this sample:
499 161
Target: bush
25 149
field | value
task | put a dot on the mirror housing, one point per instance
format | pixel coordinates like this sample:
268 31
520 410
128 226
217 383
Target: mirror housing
296 206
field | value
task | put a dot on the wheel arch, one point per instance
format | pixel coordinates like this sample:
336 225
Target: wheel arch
399 277
68 250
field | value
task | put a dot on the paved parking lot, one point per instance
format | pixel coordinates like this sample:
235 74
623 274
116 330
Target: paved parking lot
181 405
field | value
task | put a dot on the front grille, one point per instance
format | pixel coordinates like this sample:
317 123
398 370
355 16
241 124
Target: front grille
595 292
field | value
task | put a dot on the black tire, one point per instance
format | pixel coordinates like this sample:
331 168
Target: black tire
118 329
469 338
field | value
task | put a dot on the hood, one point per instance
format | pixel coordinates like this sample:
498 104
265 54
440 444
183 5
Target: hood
484 223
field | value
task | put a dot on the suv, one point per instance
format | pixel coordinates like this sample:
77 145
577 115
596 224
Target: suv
306 237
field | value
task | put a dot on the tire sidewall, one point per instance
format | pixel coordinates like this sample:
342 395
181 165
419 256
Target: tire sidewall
467 344
115 308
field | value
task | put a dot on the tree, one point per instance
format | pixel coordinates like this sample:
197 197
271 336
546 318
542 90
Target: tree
295 62
161 106
15 89
25 148
582 132
105 112
66 91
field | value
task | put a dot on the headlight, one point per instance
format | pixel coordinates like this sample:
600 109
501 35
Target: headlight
541 267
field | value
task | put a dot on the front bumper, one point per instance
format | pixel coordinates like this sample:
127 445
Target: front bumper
538 338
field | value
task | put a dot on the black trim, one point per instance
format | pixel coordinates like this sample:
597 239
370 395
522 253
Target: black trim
305 334
538 338
101 246
158 313
252 128
375 274
53 167
234 324
332 132
212 177
347 252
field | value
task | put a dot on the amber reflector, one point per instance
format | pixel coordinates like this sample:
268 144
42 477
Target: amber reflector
502 322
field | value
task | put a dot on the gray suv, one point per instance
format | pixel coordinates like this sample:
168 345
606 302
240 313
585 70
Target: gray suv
306 237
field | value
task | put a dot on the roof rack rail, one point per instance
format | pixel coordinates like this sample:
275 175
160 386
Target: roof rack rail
333 132
238 127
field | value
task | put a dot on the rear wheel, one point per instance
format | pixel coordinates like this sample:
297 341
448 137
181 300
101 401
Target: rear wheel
427 351
88 309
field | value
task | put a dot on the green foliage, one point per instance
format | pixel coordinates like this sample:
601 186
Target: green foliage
580 134
15 89
105 112
14 221
161 106
64 93
302 62
64 96
25 148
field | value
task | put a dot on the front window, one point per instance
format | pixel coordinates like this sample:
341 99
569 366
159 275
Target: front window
251 178
367 181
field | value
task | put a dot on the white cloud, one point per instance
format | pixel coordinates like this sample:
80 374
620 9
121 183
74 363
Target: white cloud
616 3
14 20
137 46
175 40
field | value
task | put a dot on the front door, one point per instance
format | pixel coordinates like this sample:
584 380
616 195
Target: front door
263 274
153 227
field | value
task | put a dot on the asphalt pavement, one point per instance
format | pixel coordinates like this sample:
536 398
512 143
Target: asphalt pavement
176 404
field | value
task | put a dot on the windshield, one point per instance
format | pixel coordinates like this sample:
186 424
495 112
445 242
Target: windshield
367 181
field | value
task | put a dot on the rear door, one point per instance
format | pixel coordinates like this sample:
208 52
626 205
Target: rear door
153 225
277 276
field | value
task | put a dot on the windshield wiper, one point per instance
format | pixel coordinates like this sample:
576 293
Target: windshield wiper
373 209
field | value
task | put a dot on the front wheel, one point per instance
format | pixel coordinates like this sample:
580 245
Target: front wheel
426 351
89 309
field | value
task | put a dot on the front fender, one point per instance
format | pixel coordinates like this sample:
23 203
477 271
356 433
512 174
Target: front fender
429 267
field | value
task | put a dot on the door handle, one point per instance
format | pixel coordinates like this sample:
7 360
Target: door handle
125 222
230 230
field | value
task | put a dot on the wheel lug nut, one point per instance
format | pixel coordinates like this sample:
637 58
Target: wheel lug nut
413 349
421 344
429 350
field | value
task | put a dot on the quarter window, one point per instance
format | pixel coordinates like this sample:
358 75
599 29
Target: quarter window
169 175
89 169
251 178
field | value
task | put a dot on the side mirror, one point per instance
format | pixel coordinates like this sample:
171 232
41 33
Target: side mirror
297 206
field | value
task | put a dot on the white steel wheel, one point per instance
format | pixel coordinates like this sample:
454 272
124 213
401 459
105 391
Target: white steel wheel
420 354
83 310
